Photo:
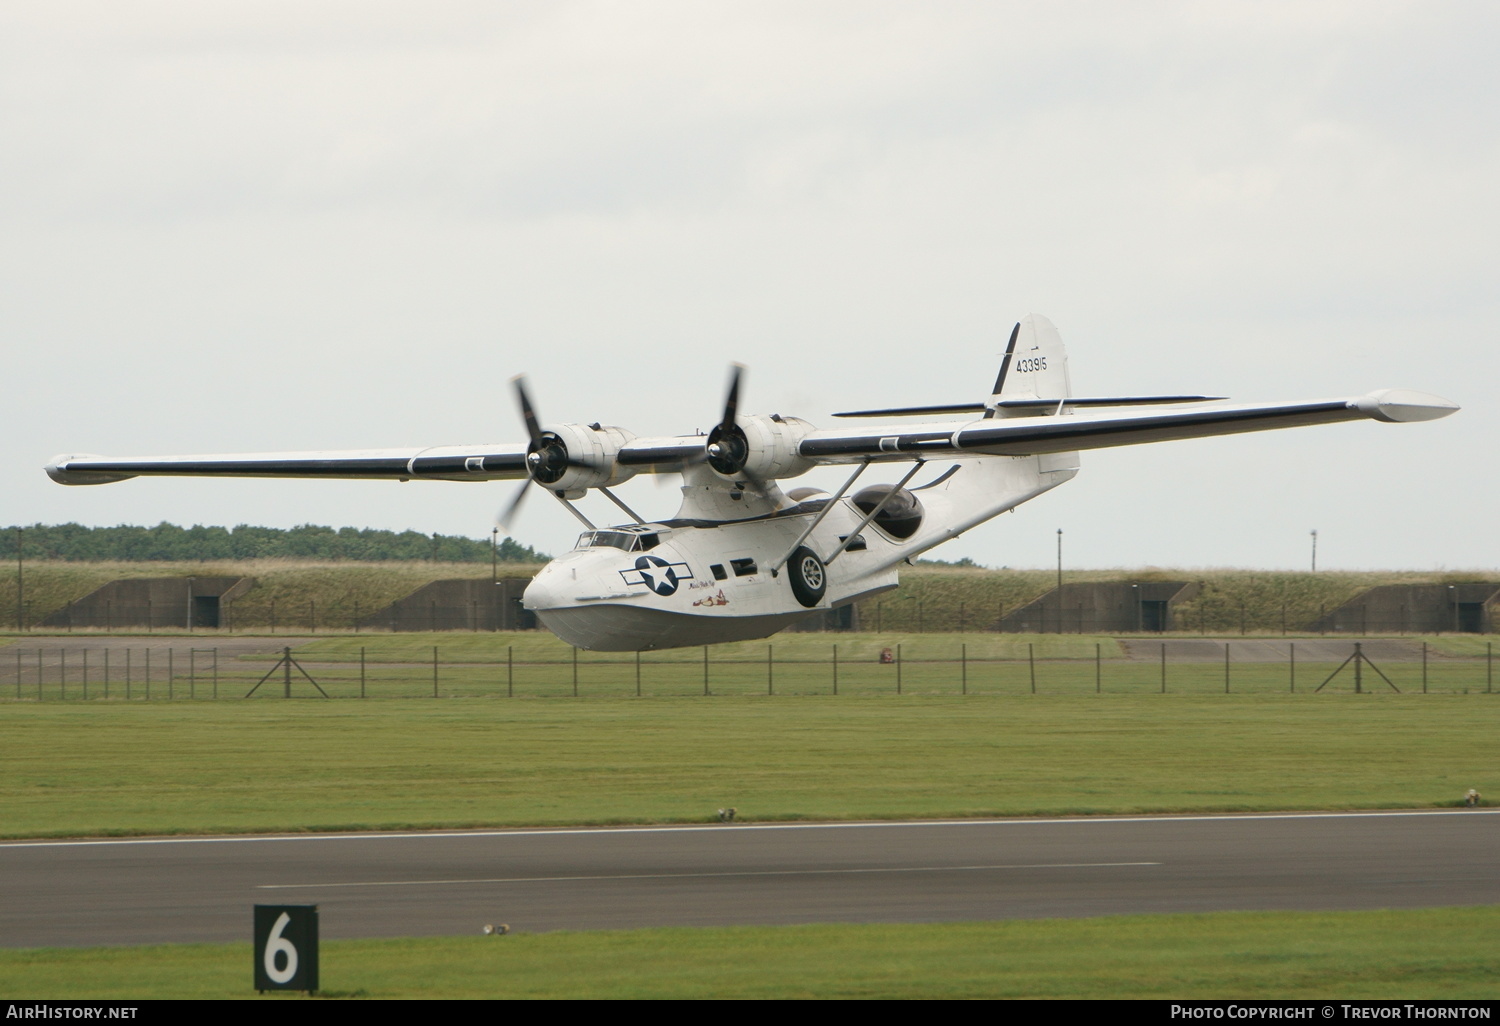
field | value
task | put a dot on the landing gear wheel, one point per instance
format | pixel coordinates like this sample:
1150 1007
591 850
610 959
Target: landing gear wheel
809 580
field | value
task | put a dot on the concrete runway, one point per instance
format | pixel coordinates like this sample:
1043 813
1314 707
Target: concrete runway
369 885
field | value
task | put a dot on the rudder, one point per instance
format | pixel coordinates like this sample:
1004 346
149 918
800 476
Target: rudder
1035 365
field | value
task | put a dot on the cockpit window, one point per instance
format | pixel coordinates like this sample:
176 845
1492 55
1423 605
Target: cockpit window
607 540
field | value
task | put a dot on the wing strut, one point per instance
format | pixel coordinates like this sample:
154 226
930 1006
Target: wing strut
819 518
612 497
849 538
572 509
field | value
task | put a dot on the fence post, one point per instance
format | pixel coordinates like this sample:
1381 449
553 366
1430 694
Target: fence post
39 675
86 675
1226 667
1424 667
898 667
1489 669
146 672
127 673
835 669
18 670
106 674
1291 658
62 674
771 671
170 694
963 662
1098 670
361 671
575 668
435 672
1031 661
192 673
216 671
705 669
510 670
1164 667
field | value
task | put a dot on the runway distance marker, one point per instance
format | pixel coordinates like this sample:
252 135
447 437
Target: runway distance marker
702 876
286 947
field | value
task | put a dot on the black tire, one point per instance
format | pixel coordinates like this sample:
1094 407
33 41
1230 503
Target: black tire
808 577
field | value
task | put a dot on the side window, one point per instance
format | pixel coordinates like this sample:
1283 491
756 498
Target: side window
743 567
648 541
718 569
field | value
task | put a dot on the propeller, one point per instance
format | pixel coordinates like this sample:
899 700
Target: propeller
547 458
547 454
728 449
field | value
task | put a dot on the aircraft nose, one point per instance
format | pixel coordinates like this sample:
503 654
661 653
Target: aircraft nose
547 590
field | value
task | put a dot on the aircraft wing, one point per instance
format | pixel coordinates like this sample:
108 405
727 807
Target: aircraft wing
1027 436
447 463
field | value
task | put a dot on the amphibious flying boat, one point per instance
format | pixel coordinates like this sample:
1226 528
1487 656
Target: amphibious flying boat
742 559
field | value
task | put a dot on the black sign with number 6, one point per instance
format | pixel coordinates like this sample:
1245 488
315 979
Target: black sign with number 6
286 947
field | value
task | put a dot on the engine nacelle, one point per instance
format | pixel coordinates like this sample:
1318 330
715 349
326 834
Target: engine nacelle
570 458
764 448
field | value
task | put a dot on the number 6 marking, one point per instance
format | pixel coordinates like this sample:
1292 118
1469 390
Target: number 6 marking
277 944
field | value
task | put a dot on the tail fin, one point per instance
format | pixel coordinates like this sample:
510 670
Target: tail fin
1035 364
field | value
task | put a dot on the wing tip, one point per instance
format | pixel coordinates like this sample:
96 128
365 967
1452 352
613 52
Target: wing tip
1404 406
58 471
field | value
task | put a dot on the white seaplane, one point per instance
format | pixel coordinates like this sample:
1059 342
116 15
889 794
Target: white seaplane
742 559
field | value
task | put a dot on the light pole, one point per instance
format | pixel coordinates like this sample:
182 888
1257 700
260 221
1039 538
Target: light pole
1059 561
1315 550
20 585
494 557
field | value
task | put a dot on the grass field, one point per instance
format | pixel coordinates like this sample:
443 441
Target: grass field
114 768
1442 954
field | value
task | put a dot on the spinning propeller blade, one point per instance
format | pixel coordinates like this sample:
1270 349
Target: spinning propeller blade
528 412
506 518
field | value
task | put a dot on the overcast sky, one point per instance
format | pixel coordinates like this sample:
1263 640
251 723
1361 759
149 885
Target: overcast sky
252 226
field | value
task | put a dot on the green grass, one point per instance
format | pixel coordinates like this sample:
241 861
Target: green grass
101 768
1444 954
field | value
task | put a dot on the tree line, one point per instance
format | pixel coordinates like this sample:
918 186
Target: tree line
170 543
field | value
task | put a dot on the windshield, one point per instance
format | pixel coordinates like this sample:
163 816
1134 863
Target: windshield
606 539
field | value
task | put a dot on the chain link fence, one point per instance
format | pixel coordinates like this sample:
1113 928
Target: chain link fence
189 672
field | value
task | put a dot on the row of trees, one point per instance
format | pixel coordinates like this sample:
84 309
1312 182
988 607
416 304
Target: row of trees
170 543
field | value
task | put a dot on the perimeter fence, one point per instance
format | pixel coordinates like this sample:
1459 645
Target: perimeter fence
187 673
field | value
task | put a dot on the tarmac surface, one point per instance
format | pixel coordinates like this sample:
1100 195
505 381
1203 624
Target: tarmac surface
143 891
